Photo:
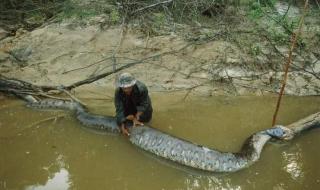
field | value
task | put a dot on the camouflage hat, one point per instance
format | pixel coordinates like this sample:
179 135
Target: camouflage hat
126 80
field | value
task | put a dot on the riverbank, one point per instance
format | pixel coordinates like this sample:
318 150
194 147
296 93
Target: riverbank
233 56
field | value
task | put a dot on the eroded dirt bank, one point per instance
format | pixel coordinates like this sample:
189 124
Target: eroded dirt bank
205 60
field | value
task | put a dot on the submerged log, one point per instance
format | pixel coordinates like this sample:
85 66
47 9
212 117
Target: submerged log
305 123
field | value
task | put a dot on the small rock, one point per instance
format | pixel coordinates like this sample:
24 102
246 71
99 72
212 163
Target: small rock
22 54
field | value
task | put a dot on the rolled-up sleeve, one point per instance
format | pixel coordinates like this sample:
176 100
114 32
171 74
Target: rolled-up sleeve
119 108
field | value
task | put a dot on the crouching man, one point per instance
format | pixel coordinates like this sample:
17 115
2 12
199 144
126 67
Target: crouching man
132 102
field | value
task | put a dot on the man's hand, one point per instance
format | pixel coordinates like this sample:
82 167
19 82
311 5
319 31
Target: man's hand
136 122
124 130
130 117
138 114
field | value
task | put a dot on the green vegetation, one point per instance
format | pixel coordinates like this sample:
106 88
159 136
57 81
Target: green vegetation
158 17
76 10
279 26
255 50
71 9
115 16
29 13
255 10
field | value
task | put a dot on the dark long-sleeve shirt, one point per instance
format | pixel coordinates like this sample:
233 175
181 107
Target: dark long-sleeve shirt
137 101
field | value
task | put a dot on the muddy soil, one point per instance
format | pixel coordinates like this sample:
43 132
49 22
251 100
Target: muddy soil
213 64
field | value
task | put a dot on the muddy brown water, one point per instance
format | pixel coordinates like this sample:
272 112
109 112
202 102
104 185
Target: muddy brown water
42 153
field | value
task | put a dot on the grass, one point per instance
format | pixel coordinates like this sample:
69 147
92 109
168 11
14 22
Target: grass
72 10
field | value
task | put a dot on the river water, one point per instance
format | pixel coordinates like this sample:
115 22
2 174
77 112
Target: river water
50 150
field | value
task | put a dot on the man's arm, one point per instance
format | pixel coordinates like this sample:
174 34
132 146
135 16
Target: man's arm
119 108
144 100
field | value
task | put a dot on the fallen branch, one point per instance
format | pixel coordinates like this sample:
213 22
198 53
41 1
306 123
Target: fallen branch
73 97
95 78
23 88
54 118
255 88
45 120
289 61
150 6
313 73
311 120
189 90
122 34
100 61
95 63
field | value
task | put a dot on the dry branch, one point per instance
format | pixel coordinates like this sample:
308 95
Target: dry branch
289 61
100 61
116 50
54 118
151 6
95 78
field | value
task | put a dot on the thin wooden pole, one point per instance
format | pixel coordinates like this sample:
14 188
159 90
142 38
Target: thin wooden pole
294 38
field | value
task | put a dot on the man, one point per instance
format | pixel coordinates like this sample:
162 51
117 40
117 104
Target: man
132 102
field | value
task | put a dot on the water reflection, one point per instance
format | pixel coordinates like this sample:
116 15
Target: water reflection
294 164
60 180
209 183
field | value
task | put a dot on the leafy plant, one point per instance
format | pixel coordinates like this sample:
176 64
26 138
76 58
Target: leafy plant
255 50
75 10
114 16
255 10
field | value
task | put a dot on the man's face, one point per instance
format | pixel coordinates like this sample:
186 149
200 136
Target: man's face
127 90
